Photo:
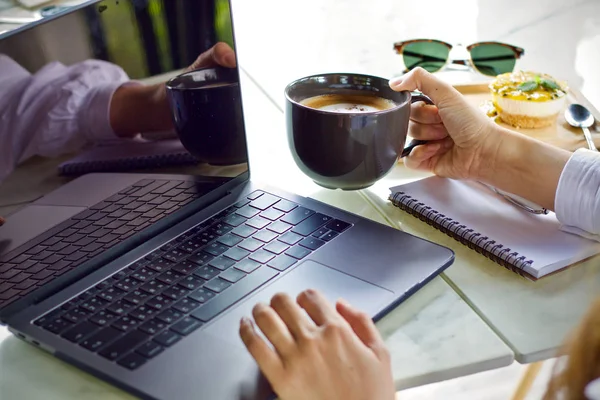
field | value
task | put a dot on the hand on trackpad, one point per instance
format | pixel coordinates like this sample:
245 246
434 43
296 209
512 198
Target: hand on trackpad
308 275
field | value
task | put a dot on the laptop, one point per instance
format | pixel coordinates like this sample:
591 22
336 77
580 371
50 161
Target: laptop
141 278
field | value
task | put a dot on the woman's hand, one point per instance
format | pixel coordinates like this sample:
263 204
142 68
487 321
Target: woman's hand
460 135
337 353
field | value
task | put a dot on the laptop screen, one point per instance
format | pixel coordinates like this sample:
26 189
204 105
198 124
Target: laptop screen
84 91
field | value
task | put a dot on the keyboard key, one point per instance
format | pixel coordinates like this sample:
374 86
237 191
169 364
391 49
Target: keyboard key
235 220
143 313
76 315
93 304
232 275
229 240
153 287
136 297
244 231
120 307
167 338
21 276
92 247
111 294
290 238
186 305
251 244
143 274
58 325
186 326
279 227
125 323
77 256
11 273
132 361
272 214
255 195
175 255
265 236
26 284
206 272
329 236
320 232
311 224
258 222
80 332
217 285
297 215
240 290
282 262
337 225
312 243
247 212
236 253
177 292
185 267
68 250
124 345
169 277
265 201
152 327
160 265
262 256
127 284
298 252
285 205
222 263
159 302
103 317
276 247
221 229
169 316
215 249
100 339
241 203
149 349
191 283
247 265
202 296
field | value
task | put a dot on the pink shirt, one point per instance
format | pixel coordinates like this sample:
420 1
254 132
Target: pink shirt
57 110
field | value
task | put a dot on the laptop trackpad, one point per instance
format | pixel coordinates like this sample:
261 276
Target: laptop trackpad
308 275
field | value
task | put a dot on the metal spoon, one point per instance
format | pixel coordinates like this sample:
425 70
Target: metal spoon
580 117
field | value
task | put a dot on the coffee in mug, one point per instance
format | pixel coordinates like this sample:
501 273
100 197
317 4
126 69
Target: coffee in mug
347 103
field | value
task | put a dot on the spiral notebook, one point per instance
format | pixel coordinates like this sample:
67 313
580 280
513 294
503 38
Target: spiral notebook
531 245
128 155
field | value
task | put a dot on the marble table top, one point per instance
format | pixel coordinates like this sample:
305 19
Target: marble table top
433 336
560 38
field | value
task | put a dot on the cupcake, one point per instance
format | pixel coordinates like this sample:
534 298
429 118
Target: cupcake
528 99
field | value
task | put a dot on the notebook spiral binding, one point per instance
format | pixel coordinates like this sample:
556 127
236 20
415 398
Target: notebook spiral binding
468 237
121 165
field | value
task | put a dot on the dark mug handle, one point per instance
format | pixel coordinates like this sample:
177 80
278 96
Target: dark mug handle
415 97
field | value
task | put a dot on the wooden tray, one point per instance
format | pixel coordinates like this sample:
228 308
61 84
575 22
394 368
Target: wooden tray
561 134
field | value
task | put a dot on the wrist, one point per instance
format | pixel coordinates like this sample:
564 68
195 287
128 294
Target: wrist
490 154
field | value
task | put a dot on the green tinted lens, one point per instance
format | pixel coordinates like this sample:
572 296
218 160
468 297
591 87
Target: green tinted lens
431 56
493 59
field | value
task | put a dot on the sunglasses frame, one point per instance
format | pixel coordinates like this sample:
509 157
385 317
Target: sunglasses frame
399 47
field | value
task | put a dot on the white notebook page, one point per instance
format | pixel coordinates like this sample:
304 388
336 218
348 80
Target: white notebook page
537 237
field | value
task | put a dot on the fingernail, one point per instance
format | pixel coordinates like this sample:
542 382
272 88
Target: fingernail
394 82
245 321
230 59
344 302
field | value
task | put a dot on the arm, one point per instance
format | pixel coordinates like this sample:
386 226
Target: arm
465 144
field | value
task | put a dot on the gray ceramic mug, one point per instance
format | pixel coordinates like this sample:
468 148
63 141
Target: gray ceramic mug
347 150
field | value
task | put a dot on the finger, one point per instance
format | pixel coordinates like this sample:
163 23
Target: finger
439 91
427 132
219 54
424 113
2 221
420 156
274 329
362 325
317 307
267 359
292 315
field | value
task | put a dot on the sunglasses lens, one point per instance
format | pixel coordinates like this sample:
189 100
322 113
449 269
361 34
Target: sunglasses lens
431 56
493 59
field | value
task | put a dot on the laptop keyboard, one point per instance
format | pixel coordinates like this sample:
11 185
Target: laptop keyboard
89 233
153 303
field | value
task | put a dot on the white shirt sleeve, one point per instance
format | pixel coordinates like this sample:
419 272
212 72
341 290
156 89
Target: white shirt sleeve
57 110
577 202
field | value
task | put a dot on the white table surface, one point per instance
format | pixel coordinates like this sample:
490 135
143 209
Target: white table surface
560 38
432 336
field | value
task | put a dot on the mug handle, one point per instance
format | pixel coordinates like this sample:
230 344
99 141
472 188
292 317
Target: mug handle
416 96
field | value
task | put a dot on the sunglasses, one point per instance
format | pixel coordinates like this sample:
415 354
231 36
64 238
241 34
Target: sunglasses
488 58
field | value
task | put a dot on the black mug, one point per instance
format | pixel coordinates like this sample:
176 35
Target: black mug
347 150
206 108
